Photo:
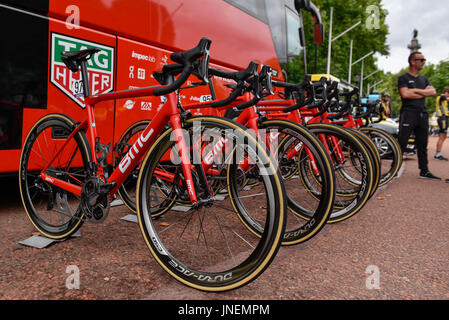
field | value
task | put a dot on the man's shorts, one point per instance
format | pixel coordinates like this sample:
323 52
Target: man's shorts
442 124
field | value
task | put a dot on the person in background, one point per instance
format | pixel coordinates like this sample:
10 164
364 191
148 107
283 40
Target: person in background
386 104
414 117
442 114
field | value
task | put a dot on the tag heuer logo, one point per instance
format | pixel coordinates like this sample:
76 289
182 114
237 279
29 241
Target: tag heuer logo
100 68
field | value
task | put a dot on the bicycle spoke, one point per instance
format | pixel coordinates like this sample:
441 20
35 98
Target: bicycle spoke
201 231
236 233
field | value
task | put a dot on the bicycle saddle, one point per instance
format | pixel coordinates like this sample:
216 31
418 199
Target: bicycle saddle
72 59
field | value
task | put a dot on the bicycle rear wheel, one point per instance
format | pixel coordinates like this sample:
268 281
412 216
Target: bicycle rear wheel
375 157
54 212
308 209
208 247
127 190
389 150
352 161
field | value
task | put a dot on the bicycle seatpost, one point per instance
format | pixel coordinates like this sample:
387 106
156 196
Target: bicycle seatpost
85 78
76 59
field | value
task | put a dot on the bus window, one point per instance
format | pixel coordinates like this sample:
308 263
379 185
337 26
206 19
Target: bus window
23 70
256 8
293 25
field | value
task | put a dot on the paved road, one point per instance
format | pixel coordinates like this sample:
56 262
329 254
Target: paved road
397 247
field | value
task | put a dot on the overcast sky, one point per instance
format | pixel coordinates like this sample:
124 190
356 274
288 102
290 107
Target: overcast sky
430 18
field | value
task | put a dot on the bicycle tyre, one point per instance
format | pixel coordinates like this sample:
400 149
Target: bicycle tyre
390 152
43 201
346 207
127 190
375 157
306 215
251 260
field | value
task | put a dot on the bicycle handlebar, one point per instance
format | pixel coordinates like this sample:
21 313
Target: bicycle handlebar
190 62
266 81
307 86
249 103
232 97
371 111
343 112
240 77
345 108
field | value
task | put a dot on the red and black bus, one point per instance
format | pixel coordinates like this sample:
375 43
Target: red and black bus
136 38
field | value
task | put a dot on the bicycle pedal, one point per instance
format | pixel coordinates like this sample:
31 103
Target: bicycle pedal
104 188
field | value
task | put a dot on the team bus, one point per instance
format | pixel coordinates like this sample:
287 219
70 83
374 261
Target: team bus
136 38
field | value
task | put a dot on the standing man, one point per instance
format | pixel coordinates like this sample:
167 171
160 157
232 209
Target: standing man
442 114
414 89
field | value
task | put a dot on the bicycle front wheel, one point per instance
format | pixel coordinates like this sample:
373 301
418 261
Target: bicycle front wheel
208 247
53 211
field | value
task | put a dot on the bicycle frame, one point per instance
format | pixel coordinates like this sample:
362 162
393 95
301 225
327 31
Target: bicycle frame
169 114
349 122
249 117
274 109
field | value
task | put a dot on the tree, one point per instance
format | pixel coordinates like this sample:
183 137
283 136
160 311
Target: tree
438 76
369 36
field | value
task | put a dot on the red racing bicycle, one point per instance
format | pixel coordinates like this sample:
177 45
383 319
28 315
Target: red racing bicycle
64 181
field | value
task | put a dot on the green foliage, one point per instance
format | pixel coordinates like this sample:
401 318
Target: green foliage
346 14
438 76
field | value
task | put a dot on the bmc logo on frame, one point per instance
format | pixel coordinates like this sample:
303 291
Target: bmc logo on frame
100 68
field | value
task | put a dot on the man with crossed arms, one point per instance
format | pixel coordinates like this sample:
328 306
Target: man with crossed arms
414 117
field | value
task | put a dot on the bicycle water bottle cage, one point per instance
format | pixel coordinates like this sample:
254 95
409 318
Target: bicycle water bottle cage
102 150
73 59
